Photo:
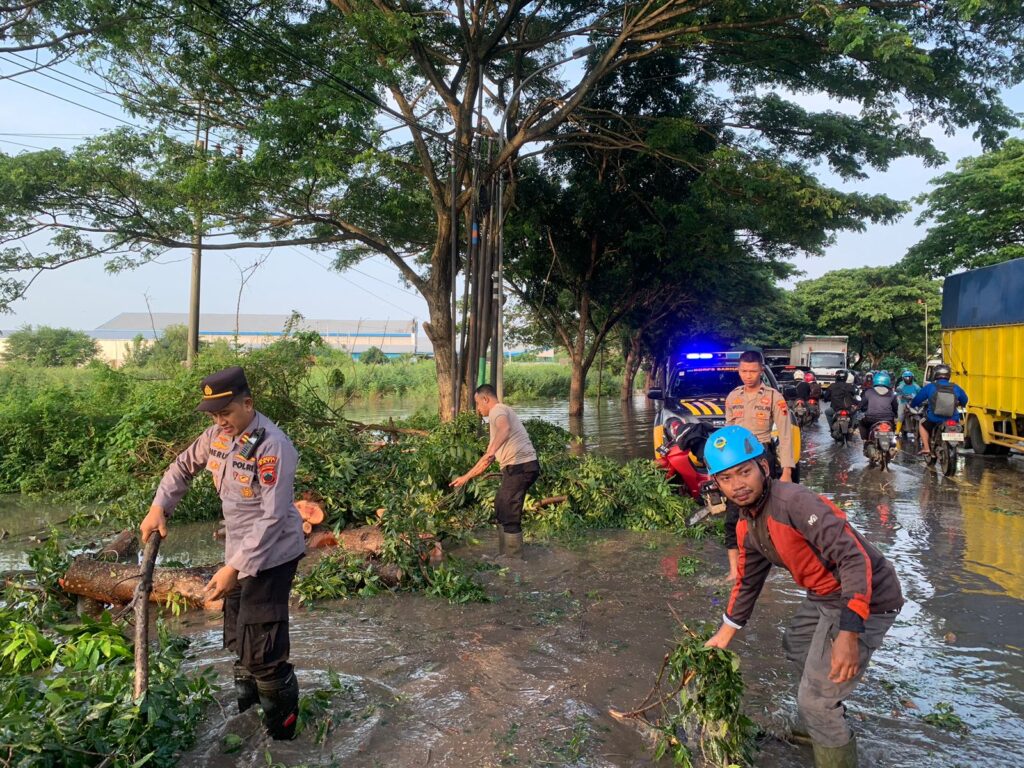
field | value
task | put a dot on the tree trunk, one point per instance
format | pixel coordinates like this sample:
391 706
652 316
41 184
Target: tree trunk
631 367
439 331
115 582
577 388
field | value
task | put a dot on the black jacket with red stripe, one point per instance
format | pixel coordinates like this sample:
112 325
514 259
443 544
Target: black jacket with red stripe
809 536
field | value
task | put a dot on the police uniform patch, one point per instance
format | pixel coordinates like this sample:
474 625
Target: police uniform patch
267 470
241 478
213 465
246 492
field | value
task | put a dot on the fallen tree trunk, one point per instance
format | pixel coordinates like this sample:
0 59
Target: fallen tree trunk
116 582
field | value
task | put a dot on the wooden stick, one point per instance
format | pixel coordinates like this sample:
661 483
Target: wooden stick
141 599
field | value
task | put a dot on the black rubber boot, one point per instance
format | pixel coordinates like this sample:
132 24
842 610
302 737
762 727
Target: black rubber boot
280 702
245 688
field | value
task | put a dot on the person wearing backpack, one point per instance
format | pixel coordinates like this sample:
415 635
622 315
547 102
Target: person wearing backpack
943 398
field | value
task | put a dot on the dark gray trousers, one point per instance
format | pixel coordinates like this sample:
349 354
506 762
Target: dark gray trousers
808 643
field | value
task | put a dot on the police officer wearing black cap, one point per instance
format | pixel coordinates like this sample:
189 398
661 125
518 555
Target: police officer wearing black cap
252 464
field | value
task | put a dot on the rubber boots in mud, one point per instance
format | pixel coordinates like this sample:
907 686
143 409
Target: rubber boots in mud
280 702
245 688
836 757
512 545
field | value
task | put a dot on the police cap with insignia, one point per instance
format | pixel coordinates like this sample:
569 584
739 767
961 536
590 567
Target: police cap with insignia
222 387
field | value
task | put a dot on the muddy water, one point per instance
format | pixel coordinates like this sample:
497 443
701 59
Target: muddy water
24 523
608 426
527 680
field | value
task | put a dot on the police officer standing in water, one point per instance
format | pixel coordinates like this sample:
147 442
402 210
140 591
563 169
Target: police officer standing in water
759 408
252 464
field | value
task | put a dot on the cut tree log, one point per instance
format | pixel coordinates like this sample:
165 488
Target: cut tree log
310 511
116 582
124 546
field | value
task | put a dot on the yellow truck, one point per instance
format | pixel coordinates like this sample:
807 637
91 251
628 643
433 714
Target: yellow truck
983 344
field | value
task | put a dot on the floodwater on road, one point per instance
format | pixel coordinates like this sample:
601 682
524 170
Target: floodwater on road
527 680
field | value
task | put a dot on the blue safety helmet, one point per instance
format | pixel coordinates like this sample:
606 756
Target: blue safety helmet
730 447
907 375
882 379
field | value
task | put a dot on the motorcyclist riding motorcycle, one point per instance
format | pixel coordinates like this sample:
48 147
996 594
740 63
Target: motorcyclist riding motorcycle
878 403
813 385
942 397
906 390
841 396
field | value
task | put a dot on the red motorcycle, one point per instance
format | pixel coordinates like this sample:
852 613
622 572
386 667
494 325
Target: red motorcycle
681 458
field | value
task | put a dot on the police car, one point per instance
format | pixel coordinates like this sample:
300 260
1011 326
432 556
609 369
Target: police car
697 385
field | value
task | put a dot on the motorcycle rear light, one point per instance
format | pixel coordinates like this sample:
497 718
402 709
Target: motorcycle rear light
844 413
883 427
952 423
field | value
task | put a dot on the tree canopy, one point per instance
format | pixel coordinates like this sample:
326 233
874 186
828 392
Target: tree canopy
977 213
353 117
49 347
881 309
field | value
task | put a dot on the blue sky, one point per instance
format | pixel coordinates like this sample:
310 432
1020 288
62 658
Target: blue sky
83 296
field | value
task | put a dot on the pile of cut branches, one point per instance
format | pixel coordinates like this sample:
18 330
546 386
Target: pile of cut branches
694 710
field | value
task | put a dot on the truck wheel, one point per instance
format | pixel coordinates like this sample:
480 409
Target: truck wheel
978 443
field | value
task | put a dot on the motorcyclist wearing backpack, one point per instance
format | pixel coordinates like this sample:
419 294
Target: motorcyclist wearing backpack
840 397
942 397
878 403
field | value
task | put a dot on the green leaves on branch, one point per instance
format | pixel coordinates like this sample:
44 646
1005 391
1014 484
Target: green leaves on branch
66 684
977 214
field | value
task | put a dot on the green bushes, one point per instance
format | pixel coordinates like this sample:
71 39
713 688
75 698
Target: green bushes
66 685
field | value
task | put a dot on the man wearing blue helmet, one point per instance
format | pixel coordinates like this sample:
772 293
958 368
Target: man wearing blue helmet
853 593
907 390
878 403
944 401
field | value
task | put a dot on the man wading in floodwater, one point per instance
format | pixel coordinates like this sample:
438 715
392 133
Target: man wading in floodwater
511 446
853 594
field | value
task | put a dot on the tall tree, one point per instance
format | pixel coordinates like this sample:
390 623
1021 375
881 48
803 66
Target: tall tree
881 309
348 113
977 213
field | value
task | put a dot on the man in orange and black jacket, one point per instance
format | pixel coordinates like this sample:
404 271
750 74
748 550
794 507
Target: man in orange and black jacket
853 593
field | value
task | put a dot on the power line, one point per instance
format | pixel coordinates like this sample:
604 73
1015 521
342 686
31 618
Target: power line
19 144
70 101
334 272
97 91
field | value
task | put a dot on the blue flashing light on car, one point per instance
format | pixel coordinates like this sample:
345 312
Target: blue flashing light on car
699 356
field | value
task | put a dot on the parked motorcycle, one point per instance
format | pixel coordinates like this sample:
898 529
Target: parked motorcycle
682 458
945 437
882 445
842 427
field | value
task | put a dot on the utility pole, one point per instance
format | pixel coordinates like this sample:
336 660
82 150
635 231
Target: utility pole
197 254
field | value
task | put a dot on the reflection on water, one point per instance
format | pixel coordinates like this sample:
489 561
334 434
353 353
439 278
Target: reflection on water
608 426
23 521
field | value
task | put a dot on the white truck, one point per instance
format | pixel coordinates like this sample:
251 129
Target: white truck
824 355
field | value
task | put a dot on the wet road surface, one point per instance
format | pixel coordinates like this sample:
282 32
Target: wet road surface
527 680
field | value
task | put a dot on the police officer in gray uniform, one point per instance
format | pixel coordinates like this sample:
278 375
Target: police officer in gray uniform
252 464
